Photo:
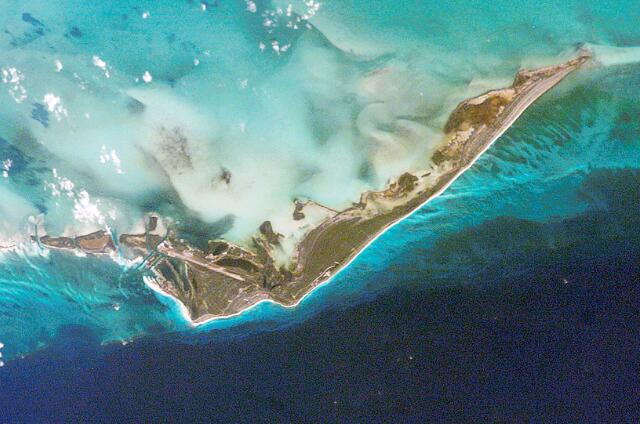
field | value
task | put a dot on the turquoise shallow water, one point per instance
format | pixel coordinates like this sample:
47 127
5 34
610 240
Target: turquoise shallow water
295 106
548 168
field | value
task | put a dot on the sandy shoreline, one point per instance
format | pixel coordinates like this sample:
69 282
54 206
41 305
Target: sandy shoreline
225 279
522 105
206 319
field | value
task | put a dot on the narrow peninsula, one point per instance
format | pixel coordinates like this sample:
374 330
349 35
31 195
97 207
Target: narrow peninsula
227 279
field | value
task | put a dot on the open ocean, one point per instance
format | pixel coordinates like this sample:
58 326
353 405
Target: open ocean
512 297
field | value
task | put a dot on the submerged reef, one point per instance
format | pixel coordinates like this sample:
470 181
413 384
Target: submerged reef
227 278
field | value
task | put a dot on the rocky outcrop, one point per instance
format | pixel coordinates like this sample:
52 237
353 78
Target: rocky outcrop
266 229
99 242
297 212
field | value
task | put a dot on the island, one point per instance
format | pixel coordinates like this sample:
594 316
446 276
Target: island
227 279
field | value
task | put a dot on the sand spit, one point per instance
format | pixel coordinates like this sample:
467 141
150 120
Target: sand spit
227 279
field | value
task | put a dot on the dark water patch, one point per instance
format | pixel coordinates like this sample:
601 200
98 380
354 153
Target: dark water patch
75 32
12 38
26 38
508 321
198 233
192 228
535 353
626 128
366 171
209 5
617 191
320 122
608 231
20 161
40 114
135 107
25 172
28 18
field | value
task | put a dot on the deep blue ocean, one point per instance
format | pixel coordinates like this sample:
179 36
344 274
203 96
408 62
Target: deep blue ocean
512 297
